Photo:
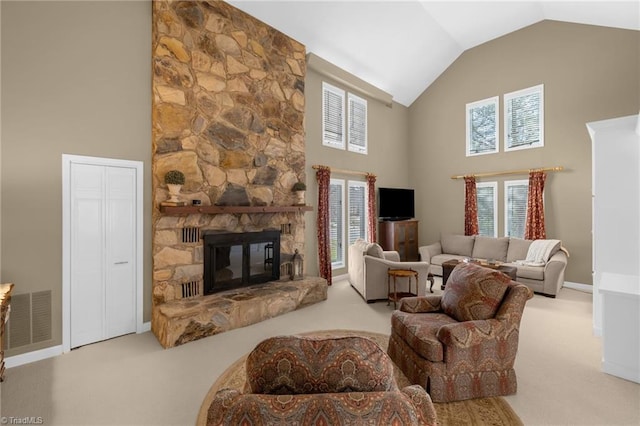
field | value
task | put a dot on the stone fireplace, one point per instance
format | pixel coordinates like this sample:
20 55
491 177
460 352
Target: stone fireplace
228 112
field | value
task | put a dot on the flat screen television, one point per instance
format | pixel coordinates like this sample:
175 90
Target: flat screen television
396 203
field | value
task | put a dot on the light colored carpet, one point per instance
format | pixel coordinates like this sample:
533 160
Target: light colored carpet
131 380
482 411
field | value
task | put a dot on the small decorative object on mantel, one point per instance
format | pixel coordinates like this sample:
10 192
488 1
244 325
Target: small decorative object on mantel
298 273
299 188
174 180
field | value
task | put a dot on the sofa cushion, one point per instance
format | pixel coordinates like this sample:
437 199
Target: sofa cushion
457 244
419 332
289 365
490 248
530 272
518 249
474 292
375 250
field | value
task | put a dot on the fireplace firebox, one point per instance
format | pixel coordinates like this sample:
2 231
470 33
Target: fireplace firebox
233 260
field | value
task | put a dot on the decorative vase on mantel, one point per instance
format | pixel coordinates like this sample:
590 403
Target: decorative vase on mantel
174 180
174 191
299 188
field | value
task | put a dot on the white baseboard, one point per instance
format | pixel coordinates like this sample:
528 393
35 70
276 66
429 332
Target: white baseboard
340 278
29 357
578 286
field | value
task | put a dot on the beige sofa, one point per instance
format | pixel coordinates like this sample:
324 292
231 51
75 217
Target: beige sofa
545 276
368 265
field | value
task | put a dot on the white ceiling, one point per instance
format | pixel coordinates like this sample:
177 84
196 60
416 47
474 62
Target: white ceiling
402 46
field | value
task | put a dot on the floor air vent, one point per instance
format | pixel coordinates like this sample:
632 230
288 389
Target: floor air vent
191 289
30 319
190 234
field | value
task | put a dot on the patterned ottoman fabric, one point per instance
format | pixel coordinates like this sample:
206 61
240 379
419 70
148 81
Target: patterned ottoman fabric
321 381
230 407
303 365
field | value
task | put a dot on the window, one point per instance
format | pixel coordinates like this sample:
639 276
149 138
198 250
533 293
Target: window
336 222
357 211
357 124
487 194
515 207
524 119
482 127
332 116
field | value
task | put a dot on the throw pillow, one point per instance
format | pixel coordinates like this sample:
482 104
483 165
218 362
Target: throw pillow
461 245
375 250
474 292
491 248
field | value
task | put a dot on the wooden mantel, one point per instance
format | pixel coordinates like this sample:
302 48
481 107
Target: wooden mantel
177 210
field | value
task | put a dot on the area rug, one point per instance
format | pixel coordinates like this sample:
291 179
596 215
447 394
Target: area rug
476 412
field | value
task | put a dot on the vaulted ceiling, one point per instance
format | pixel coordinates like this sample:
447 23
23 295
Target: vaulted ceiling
402 46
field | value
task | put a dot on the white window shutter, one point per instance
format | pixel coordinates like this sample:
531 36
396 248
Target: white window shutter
357 215
516 192
336 222
524 118
332 116
357 124
487 196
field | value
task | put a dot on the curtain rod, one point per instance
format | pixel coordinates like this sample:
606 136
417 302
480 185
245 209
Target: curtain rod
511 172
345 172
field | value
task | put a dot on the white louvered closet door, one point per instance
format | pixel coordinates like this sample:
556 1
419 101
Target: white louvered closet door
103 243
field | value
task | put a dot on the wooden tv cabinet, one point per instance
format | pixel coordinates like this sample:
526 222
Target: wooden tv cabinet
400 236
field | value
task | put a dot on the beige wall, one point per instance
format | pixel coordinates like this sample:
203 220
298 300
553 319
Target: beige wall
76 79
589 73
387 158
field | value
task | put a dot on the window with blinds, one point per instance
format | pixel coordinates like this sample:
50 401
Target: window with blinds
482 127
524 119
515 207
332 116
336 222
357 124
357 215
487 195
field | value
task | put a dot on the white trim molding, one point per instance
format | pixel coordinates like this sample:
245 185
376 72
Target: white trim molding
33 356
586 288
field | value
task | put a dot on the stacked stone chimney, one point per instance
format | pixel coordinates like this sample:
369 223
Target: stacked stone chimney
228 111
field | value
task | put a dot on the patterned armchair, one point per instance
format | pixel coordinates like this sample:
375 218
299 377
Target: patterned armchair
463 344
320 381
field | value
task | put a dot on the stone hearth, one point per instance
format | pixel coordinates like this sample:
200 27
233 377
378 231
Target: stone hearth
184 320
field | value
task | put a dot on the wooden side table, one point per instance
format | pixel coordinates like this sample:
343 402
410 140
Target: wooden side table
395 295
5 299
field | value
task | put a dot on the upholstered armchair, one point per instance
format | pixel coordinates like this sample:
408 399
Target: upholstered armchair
368 266
321 381
462 344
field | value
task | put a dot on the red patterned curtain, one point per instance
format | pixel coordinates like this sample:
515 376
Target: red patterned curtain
470 206
534 227
323 175
371 207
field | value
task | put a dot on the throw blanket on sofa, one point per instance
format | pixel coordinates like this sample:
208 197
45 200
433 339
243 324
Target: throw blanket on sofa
540 251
